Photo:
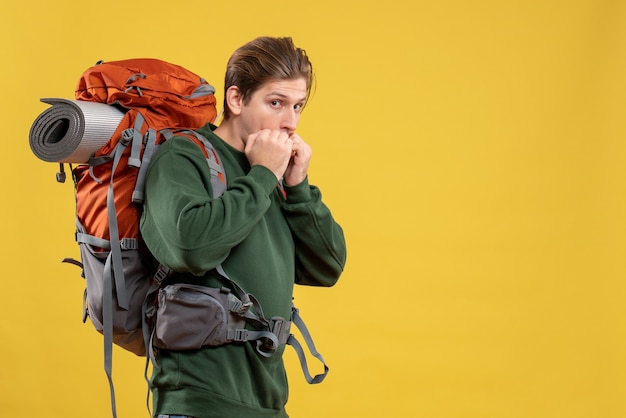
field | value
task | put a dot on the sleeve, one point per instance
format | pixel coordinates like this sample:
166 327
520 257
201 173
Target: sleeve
319 240
182 225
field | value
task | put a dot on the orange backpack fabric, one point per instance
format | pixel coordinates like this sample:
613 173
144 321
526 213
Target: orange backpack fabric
167 96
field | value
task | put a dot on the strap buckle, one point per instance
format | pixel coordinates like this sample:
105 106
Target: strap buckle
238 335
162 273
281 328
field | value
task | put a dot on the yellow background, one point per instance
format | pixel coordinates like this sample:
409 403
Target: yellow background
474 152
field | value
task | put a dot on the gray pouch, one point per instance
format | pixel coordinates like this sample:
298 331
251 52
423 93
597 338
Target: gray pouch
191 316
126 322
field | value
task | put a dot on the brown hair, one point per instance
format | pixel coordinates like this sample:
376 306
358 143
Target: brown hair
264 59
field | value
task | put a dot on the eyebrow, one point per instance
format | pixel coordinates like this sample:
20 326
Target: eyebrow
283 96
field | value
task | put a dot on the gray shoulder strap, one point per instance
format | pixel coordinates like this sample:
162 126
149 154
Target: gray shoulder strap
218 175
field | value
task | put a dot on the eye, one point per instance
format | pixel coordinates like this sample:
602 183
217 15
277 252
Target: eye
275 103
298 107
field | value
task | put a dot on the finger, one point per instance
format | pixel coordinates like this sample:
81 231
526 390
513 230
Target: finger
295 140
283 137
249 143
258 135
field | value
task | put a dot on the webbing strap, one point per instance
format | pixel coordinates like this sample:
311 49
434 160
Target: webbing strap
148 380
94 161
150 357
277 333
213 165
138 193
135 152
268 340
238 289
218 175
292 341
84 238
247 299
116 250
147 339
112 267
107 325
85 313
148 311
240 292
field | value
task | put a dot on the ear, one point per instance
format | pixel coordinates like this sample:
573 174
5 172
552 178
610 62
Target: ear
234 100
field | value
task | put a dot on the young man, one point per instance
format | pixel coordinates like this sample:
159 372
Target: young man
269 230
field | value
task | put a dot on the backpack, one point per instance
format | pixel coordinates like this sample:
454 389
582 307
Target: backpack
123 281
160 100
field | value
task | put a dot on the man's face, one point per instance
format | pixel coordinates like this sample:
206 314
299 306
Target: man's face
275 105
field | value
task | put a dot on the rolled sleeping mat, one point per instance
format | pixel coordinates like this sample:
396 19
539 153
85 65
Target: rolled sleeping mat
70 131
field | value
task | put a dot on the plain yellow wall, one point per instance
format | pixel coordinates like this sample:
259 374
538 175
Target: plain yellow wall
474 152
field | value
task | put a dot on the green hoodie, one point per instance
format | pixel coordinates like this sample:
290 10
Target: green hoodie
265 240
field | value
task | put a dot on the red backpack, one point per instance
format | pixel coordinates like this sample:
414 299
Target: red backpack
160 99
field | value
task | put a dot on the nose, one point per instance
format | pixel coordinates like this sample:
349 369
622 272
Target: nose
290 120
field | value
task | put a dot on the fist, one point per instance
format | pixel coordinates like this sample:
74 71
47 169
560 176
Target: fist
270 148
298 166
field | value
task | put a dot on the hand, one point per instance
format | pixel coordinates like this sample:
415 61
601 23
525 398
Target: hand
298 167
270 148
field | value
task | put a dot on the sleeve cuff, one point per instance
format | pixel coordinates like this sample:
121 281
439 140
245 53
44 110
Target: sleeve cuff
264 177
298 193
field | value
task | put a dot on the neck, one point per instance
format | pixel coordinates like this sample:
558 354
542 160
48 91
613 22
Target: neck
230 134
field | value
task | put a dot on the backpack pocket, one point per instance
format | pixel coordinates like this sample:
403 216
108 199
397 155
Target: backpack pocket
190 317
127 323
